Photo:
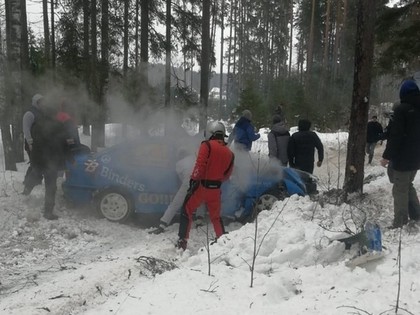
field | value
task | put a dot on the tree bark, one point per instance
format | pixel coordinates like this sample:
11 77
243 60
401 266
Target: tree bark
17 63
168 55
205 63
144 40
53 50
87 63
47 45
354 174
98 128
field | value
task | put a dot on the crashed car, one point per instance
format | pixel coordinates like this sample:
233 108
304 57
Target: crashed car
139 177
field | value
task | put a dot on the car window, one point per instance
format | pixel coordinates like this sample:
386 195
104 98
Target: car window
146 155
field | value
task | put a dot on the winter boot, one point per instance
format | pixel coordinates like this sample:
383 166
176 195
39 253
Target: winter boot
26 191
48 214
160 229
181 244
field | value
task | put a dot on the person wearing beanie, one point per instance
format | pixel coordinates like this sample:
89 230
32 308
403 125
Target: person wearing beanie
402 154
301 148
32 177
374 133
278 139
243 133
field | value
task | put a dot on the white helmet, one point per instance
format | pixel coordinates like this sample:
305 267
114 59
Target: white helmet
214 128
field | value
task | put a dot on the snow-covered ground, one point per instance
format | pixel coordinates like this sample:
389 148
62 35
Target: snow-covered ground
83 264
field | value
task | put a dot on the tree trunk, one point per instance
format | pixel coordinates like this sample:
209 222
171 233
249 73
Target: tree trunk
5 115
309 59
125 39
168 55
17 59
94 81
205 63
98 128
222 34
87 63
53 51
47 45
291 39
136 35
353 181
144 40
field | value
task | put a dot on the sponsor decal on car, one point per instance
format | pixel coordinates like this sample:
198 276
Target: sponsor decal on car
125 180
148 198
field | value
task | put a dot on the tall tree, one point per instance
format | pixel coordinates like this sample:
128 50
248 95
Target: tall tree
125 38
17 64
168 54
86 61
144 40
205 62
98 127
53 48
47 44
363 62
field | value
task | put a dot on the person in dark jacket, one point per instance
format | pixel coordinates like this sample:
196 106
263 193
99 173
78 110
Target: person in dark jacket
49 151
278 139
402 154
373 135
33 177
301 148
243 133
66 114
213 166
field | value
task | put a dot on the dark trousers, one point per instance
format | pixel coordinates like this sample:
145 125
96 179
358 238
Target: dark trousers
50 180
406 202
33 176
370 150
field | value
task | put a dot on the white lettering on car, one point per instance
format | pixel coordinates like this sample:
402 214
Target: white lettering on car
91 166
125 181
148 198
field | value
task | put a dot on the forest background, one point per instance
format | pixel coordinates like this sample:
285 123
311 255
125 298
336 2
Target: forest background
330 61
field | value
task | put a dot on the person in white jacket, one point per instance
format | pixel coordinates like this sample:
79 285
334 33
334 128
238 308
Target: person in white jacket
183 168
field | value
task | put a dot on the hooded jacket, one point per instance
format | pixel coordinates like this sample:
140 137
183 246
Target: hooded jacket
278 139
403 145
243 133
301 148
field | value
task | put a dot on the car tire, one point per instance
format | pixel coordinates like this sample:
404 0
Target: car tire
267 200
114 205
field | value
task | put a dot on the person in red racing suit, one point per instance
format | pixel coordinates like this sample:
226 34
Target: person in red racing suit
214 165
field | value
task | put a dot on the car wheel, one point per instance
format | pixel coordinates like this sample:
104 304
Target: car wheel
114 205
267 200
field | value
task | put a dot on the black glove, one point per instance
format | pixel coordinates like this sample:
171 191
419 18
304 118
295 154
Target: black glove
193 185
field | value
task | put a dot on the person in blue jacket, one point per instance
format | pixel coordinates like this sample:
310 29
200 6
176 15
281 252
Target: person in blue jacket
243 133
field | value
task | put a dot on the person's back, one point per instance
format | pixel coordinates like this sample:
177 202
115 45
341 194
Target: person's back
402 154
243 133
374 130
403 145
278 139
301 148
49 143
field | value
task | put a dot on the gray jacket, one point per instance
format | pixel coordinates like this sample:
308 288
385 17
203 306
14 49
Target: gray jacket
278 139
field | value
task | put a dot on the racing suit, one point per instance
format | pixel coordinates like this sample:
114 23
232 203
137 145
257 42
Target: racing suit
214 165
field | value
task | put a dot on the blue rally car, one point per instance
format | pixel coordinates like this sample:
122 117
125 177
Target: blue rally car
139 177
